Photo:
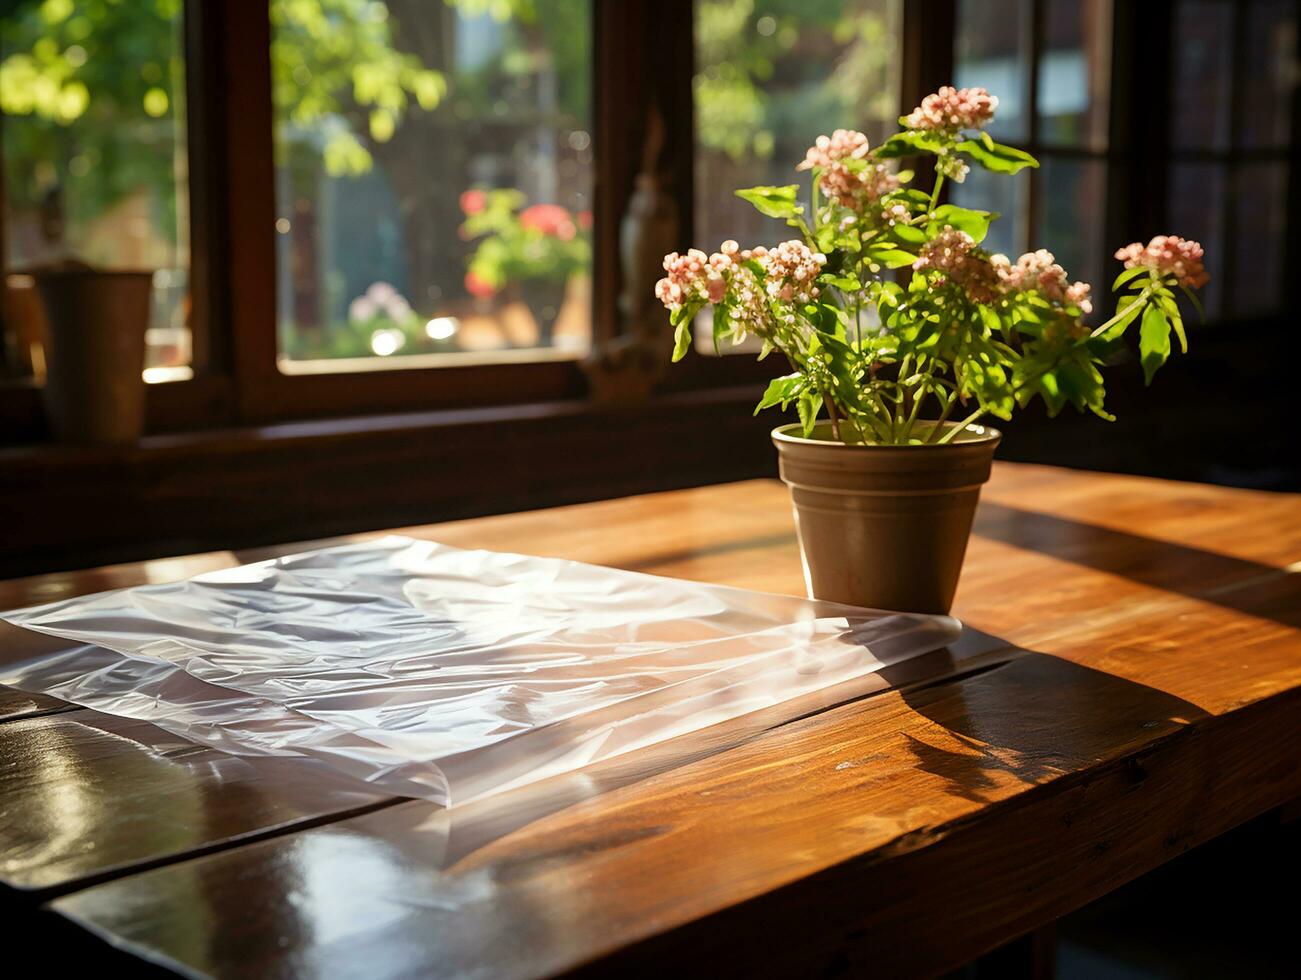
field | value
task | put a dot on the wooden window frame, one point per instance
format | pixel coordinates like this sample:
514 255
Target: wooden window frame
232 193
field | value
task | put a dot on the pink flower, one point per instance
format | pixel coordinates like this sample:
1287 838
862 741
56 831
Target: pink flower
686 279
953 253
952 109
478 286
585 219
1039 271
473 201
549 219
843 144
857 183
1168 255
792 269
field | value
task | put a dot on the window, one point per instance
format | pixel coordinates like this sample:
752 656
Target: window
1234 66
1049 63
94 162
771 77
434 171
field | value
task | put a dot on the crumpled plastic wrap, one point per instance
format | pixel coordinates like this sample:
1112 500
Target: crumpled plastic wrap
431 671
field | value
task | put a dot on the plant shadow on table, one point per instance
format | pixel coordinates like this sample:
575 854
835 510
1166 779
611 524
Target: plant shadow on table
1249 587
1033 718
1038 715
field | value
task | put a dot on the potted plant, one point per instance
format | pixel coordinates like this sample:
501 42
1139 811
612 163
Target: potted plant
537 248
893 373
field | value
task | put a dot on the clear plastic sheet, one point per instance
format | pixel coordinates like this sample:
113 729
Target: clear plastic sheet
430 671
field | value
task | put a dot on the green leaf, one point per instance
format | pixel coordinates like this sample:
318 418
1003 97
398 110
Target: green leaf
682 339
1197 303
997 157
1126 276
891 258
1168 306
908 234
775 202
974 223
780 391
721 324
808 405
848 283
684 312
908 143
1153 340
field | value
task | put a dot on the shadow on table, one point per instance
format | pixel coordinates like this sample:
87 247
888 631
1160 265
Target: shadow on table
1234 583
1035 718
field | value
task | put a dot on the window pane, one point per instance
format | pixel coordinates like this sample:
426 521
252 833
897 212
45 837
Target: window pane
94 160
773 76
1260 216
1074 73
433 181
992 50
1271 74
1008 195
1203 74
1197 211
1071 217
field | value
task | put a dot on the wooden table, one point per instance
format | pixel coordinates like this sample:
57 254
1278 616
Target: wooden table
1131 687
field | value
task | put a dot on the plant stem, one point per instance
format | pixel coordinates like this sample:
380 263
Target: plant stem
1143 297
960 427
935 192
835 420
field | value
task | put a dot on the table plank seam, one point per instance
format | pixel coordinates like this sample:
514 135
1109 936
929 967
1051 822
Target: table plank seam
48 893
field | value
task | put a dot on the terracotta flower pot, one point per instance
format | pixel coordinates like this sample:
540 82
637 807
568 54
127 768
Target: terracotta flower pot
884 526
95 358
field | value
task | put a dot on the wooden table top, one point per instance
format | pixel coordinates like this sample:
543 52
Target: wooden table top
1129 687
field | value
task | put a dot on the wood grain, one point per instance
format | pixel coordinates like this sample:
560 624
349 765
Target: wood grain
1153 705
85 794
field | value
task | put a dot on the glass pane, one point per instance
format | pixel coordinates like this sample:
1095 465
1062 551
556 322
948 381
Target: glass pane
1074 73
1260 217
1073 199
772 76
1271 74
1197 211
1008 195
433 181
94 163
992 49
1203 74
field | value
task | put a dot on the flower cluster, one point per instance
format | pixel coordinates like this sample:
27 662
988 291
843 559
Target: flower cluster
846 175
1169 255
694 276
792 270
1039 271
952 109
954 253
380 299
549 219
